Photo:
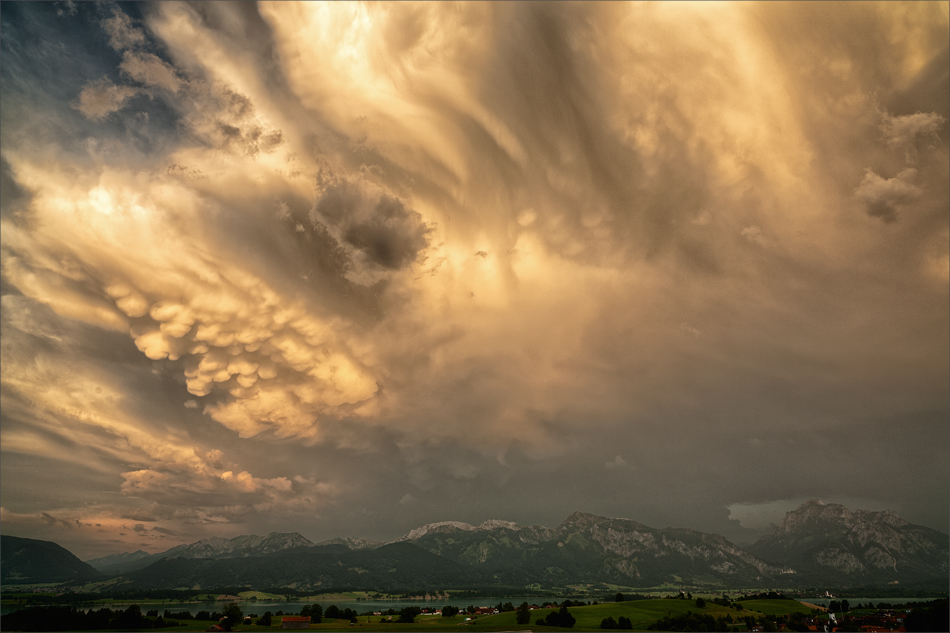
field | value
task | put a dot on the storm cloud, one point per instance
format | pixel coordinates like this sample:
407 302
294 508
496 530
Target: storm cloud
345 268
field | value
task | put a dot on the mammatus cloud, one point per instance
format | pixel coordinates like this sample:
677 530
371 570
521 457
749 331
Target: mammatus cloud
455 251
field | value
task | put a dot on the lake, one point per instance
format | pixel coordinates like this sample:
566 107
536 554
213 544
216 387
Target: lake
824 602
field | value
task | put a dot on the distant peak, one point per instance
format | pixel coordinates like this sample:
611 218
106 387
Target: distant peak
583 518
814 511
447 527
439 527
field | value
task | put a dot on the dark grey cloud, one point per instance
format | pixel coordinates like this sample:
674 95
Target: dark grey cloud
13 198
380 227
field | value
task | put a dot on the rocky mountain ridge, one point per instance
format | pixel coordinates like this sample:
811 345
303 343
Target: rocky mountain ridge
829 540
816 544
243 546
588 548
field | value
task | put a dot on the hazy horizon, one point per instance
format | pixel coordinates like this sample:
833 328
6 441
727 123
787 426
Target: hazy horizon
347 269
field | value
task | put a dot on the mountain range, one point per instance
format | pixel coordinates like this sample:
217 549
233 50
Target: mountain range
816 545
212 547
830 541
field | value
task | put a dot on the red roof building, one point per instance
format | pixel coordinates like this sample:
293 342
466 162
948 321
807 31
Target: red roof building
295 622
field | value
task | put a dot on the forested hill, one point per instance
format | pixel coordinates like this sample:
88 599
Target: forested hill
26 560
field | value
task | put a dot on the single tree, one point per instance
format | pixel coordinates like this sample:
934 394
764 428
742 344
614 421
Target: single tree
700 603
408 615
618 597
523 616
232 616
561 618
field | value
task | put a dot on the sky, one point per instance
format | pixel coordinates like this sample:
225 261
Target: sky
346 269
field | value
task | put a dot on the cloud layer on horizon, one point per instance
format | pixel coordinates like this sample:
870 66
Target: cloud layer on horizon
285 266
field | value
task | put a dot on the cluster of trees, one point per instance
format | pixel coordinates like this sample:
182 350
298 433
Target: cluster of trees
408 615
523 616
770 595
405 616
57 618
561 618
836 606
574 603
693 622
315 611
627 598
335 613
317 614
767 622
621 623
726 602
930 616
232 615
